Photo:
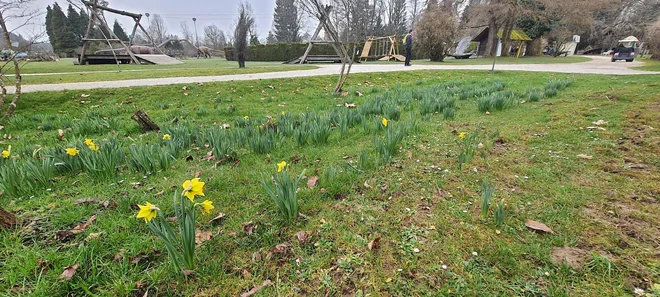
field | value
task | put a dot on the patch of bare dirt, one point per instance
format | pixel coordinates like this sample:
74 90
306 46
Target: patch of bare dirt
575 258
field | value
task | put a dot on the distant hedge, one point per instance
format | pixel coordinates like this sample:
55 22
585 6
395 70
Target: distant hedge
281 52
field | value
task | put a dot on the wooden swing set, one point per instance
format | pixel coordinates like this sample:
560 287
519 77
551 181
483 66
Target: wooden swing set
382 49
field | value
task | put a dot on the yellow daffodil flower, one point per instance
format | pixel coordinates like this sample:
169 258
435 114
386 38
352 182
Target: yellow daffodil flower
167 137
283 112
6 153
385 122
147 211
72 151
280 166
206 206
192 188
462 135
247 118
91 145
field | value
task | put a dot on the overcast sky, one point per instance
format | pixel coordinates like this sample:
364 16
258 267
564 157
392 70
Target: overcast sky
222 13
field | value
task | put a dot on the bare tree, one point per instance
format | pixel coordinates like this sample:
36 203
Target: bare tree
416 7
396 17
186 32
214 37
244 25
323 12
21 14
157 28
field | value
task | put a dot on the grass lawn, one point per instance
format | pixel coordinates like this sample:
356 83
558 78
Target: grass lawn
65 72
501 60
388 217
649 65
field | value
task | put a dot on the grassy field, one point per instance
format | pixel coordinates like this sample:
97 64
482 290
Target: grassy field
409 225
65 72
501 60
649 65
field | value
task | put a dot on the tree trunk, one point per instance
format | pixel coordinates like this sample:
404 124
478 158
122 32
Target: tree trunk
7 220
145 121
17 71
534 48
241 60
506 36
491 46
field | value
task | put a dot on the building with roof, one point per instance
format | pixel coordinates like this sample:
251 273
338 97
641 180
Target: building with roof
517 45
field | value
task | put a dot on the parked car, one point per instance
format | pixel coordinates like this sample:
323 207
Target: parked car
624 53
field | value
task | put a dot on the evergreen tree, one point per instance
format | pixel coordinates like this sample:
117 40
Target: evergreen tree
65 38
73 18
254 39
49 26
271 38
83 23
286 25
119 31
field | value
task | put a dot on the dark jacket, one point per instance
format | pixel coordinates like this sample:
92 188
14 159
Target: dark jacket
409 41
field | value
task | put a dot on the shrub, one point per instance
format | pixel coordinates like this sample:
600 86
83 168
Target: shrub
436 32
653 40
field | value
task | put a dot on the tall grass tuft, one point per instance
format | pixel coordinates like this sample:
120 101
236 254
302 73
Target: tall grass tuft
487 191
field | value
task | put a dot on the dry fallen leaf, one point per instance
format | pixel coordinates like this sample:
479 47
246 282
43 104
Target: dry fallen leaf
281 248
86 200
374 244
257 288
600 123
303 236
248 228
84 95
218 218
202 236
538 226
69 271
586 157
161 193
349 105
120 255
106 204
410 155
312 182
366 185
93 236
60 134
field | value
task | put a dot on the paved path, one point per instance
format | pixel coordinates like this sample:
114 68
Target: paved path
598 65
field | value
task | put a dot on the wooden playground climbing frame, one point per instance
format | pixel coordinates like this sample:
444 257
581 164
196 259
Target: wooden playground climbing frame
381 48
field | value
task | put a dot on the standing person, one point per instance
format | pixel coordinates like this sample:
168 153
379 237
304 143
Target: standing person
407 44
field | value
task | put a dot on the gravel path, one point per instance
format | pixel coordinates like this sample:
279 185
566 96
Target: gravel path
598 65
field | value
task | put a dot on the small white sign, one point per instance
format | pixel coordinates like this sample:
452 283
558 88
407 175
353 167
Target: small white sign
576 38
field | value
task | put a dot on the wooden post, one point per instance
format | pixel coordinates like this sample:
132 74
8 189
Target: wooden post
90 25
311 43
137 21
112 34
145 121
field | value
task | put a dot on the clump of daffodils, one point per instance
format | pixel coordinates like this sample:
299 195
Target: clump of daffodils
282 188
181 251
91 145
